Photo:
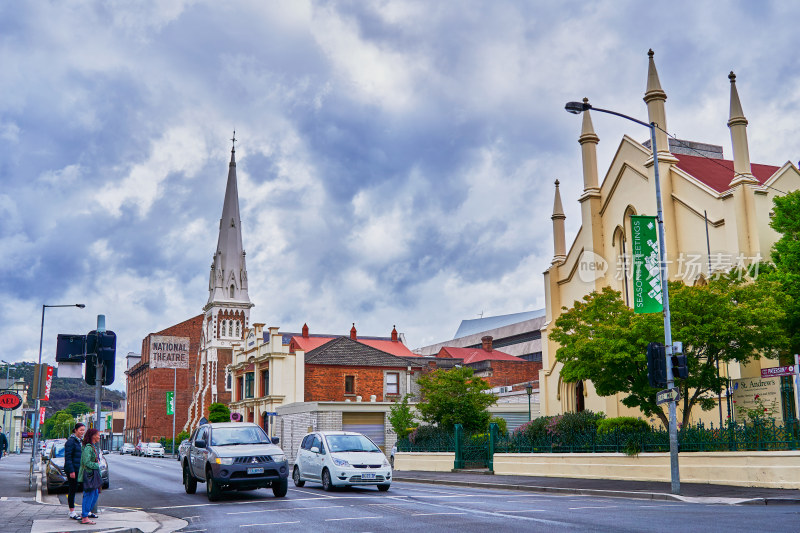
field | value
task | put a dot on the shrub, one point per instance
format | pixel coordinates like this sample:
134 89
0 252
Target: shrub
502 425
627 424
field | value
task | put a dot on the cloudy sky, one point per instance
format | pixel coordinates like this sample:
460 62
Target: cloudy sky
396 159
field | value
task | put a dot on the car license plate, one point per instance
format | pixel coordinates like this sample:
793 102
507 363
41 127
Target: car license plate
255 470
367 476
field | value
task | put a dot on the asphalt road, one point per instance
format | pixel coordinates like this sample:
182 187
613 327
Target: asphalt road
154 485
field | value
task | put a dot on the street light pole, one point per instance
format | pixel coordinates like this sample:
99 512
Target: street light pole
529 391
38 407
580 107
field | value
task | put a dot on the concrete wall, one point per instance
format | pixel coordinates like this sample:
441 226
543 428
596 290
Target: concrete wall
748 469
426 461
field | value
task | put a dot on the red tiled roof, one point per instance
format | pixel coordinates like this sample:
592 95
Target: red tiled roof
718 173
386 345
473 355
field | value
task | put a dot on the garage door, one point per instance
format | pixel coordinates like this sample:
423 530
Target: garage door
369 424
513 420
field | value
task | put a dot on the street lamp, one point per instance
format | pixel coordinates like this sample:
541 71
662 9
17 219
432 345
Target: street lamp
577 108
529 391
36 413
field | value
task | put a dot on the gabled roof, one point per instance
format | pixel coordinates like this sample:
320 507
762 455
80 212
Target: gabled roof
473 355
384 344
346 351
718 173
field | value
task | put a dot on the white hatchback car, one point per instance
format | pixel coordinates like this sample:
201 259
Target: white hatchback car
153 449
341 458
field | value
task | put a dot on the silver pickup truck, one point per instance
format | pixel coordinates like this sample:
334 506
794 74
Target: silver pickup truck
234 456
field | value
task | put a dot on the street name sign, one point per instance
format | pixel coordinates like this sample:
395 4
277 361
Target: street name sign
778 371
668 395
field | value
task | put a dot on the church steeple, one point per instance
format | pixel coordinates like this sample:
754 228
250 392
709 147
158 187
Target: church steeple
228 278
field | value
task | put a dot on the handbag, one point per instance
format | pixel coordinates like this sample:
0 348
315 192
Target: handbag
92 479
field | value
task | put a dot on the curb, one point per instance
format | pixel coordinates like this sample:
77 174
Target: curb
594 492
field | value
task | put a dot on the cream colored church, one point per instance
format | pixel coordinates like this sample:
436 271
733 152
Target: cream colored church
699 189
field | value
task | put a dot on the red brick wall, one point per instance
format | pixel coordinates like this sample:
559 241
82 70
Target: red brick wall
325 383
146 416
511 372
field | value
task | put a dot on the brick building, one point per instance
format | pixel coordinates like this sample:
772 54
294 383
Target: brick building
146 418
499 369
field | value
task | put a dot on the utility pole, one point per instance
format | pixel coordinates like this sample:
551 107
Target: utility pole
98 379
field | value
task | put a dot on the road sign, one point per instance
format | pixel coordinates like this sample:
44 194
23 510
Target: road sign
170 403
778 371
268 413
668 395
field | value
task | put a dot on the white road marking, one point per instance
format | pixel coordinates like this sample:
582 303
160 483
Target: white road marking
353 518
594 507
270 524
317 494
526 511
433 514
288 509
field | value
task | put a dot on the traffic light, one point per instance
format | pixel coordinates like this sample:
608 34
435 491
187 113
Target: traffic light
70 348
679 368
101 348
656 365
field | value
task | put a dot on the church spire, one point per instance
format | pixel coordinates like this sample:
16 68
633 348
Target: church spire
559 235
655 97
738 126
228 281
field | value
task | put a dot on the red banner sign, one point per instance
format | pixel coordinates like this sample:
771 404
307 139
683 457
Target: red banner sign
48 383
778 371
9 400
41 415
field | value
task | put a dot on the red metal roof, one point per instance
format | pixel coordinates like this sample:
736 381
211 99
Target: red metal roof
473 355
718 173
386 345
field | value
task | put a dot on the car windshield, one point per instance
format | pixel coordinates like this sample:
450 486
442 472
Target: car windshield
238 435
351 443
156 445
58 451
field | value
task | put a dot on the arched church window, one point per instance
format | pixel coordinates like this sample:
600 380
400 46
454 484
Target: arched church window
237 329
222 331
232 287
230 328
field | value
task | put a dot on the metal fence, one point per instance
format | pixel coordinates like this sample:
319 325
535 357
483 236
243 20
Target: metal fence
764 435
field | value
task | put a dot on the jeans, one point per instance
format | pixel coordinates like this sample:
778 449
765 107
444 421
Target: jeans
73 488
89 501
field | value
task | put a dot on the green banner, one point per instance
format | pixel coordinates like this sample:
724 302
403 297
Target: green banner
108 421
171 403
647 296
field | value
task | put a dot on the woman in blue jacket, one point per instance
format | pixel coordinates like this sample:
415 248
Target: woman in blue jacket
72 463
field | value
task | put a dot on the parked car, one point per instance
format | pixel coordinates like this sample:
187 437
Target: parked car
234 456
46 445
127 448
153 449
56 479
183 448
139 449
341 458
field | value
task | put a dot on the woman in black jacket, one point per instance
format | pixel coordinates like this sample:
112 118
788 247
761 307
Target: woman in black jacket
72 463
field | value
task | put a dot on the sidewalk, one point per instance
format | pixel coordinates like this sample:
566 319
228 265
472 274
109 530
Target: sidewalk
24 511
690 492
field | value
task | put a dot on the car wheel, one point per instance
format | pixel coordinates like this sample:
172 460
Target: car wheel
189 481
280 488
384 488
327 485
296 478
106 485
213 490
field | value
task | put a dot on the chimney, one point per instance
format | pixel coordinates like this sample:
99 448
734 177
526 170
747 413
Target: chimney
353 332
487 343
394 333
305 331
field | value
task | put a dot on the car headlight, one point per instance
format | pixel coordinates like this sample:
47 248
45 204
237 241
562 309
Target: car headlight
339 462
278 458
224 460
386 463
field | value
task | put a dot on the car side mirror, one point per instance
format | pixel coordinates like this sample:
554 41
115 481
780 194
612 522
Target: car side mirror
314 449
200 443
275 440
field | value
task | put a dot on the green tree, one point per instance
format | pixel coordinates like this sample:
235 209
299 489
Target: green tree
219 412
455 396
729 320
78 408
401 418
180 437
786 257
